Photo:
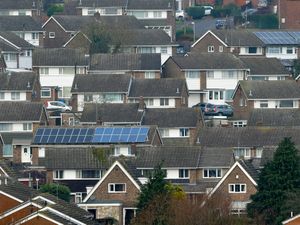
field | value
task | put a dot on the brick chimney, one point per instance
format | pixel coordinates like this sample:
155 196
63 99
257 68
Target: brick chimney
142 105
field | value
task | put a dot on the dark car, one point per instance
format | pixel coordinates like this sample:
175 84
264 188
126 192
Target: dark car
204 107
220 110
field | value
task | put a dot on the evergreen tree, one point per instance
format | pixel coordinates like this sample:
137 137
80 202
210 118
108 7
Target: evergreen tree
59 190
278 179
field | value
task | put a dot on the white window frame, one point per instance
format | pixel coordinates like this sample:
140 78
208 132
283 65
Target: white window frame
216 170
210 48
58 174
264 103
183 173
2 95
46 90
44 71
149 75
164 102
27 126
163 50
114 188
184 132
52 35
221 48
164 132
78 197
232 188
15 96
41 152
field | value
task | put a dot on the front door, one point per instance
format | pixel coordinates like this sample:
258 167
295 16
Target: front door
26 154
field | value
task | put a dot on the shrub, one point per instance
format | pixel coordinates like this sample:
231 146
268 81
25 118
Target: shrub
196 12
266 21
59 190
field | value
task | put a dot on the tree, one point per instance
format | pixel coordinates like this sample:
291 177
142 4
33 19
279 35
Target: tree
196 12
278 179
59 190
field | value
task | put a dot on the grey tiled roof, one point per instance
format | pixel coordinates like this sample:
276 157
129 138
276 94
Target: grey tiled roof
238 37
153 4
16 40
125 62
179 117
100 83
8 137
73 23
5 47
78 185
167 141
264 66
200 186
247 136
16 4
277 89
204 61
247 165
274 117
155 22
22 81
19 23
176 157
72 158
166 87
216 157
59 57
20 111
112 112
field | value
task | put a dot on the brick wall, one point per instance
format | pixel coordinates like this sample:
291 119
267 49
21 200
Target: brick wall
208 40
289 10
242 111
18 215
171 70
61 37
17 154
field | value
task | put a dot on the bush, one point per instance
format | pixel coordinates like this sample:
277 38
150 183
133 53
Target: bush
266 21
59 190
55 8
185 34
196 12
228 10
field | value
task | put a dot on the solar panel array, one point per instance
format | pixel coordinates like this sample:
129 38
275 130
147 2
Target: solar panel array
276 37
295 35
122 135
91 135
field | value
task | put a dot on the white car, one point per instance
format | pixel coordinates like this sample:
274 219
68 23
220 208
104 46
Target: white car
57 105
207 9
180 14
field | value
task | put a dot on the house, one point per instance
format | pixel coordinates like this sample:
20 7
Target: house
100 88
147 66
262 68
115 194
113 114
19 116
276 94
20 8
287 14
294 220
2 64
57 68
280 44
105 8
177 126
16 51
27 206
238 184
209 79
21 86
159 93
239 42
23 26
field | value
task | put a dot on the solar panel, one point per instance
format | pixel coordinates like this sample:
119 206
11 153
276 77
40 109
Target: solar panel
276 37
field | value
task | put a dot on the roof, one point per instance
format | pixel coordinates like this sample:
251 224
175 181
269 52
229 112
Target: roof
19 23
153 4
216 157
178 117
102 3
264 66
15 40
9 137
110 83
278 37
72 158
125 62
296 217
205 61
78 185
59 57
155 22
246 136
21 81
200 187
274 117
238 37
112 113
167 87
247 165
20 111
16 4
277 89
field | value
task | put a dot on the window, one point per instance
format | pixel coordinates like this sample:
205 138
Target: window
5 127
252 50
78 197
264 104
242 123
157 14
51 34
164 132
2 95
90 174
116 188
122 150
45 92
212 173
58 174
183 132
220 48
242 152
150 75
111 11
210 74
258 152
113 97
237 188
7 151
184 173
289 50
44 71
216 95
41 152
15 96
192 74
163 50
12 57
286 103
27 126
210 48
148 101
146 50
164 101
34 36
91 11
88 98
274 50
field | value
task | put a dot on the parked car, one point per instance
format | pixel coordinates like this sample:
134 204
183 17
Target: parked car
180 15
207 9
57 105
204 107
219 110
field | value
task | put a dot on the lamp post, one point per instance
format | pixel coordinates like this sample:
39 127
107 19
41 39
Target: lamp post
194 30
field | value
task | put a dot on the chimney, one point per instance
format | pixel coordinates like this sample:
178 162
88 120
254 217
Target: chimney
177 91
80 2
97 16
75 86
250 93
28 84
142 105
292 214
